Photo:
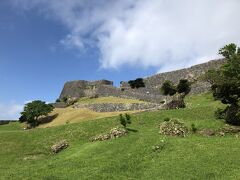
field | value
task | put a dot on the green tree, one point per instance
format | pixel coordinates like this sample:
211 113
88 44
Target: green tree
184 86
168 88
125 120
226 83
33 110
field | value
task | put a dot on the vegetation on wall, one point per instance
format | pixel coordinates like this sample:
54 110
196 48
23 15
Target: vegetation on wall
137 83
168 88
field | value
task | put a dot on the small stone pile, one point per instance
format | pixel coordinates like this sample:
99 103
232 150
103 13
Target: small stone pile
61 145
114 133
117 132
101 137
173 127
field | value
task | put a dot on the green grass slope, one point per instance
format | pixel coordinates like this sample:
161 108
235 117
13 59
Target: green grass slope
26 154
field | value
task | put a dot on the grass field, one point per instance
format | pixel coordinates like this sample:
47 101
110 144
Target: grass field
26 154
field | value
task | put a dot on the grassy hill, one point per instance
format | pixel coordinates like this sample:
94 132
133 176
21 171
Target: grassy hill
71 115
26 154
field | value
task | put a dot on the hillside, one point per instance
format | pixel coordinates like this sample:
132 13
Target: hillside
26 154
73 115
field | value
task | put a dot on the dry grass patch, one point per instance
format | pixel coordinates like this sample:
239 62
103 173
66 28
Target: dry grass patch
75 115
109 99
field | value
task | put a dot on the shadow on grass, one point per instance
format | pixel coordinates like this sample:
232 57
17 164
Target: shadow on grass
132 130
47 119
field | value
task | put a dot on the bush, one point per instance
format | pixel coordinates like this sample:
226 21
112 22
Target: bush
125 120
58 100
128 118
168 88
166 119
193 127
233 115
184 86
220 113
137 83
65 99
122 120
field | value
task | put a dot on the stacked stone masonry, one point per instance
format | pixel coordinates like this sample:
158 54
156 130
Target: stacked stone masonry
151 91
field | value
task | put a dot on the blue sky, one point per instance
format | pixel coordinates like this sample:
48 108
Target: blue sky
44 43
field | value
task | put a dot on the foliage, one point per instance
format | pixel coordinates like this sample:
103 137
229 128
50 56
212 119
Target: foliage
194 128
58 100
65 99
184 86
166 119
128 118
220 113
137 83
33 110
168 88
125 120
226 82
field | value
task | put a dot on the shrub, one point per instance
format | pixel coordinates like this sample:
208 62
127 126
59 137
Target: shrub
122 120
128 118
220 113
184 86
168 88
125 120
193 127
137 83
64 99
166 119
58 100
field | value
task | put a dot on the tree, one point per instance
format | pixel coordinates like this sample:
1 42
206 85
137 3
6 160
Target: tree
137 83
179 92
33 110
226 83
168 88
184 86
125 120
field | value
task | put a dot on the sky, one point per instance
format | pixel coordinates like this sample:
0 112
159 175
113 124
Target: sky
44 43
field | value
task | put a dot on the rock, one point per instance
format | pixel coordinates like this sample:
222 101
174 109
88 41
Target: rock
114 133
221 134
207 132
173 127
117 132
101 137
231 129
56 148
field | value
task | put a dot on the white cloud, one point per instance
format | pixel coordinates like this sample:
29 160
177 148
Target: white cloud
10 111
158 33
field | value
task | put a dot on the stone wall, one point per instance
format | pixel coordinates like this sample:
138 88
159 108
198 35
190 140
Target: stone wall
82 88
151 91
113 107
